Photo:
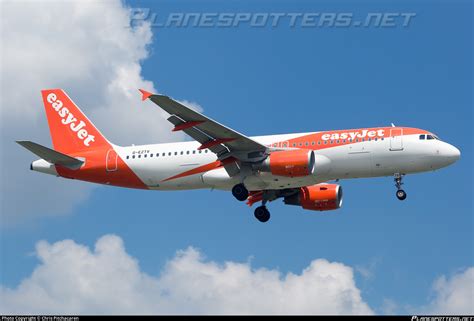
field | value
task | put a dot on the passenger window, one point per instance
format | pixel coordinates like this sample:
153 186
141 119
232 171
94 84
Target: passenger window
294 144
205 151
337 141
145 155
181 152
133 156
164 154
175 153
325 142
194 152
187 152
200 151
139 156
306 144
319 143
128 157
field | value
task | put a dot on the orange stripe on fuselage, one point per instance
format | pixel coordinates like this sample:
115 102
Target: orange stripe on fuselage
204 168
94 170
336 137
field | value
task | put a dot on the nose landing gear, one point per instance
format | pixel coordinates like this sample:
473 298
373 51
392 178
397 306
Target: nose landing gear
401 194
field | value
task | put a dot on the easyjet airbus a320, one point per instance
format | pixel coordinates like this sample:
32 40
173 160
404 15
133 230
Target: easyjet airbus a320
294 167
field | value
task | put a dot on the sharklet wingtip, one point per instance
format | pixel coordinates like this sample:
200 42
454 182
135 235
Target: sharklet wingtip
145 94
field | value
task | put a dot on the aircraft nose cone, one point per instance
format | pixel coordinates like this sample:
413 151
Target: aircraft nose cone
451 153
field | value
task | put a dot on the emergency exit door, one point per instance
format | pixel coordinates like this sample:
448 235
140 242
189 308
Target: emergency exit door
396 139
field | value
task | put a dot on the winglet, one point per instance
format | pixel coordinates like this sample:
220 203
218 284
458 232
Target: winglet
145 94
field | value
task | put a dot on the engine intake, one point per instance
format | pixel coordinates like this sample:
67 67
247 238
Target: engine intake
292 163
319 197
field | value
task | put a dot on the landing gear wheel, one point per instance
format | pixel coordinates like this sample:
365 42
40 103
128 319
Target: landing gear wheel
240 192
401 195
262 214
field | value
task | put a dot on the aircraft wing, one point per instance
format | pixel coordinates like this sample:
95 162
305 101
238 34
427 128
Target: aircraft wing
223 141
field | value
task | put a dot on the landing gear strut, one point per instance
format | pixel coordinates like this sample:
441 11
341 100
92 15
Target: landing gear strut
262 213
401 195
240 192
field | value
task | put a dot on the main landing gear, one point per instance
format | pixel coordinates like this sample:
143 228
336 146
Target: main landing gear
401 195
262 214
240 192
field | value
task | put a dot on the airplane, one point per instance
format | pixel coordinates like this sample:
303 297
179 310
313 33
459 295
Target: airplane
303 168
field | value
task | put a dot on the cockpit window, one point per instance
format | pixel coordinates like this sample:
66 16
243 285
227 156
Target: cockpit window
428 137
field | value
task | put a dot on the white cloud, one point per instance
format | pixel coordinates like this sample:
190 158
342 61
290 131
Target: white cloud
368 270
389 307
88 49
454 295
194 106
73 279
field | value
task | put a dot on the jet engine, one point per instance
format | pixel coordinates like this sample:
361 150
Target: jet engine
319 197
291 163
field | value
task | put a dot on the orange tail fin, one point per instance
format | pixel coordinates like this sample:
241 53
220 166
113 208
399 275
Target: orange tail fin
71 131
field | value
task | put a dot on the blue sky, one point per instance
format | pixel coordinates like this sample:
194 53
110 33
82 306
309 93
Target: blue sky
265 81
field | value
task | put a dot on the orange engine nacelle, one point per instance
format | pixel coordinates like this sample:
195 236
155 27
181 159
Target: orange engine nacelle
291 163
320 197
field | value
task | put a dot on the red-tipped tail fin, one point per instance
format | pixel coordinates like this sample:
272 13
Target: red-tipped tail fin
71 131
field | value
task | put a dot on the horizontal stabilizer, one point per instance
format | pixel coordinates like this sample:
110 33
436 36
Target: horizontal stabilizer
51 155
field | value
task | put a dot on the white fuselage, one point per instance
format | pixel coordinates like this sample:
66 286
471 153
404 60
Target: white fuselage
156 164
